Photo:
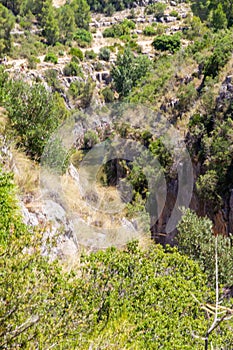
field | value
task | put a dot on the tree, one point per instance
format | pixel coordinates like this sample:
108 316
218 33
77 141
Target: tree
128 70
104 54
6 25
49 23
165 42
83 37
66 20
34 113
156 9
81 13
208 8
200 8
196 239
13 5
218 18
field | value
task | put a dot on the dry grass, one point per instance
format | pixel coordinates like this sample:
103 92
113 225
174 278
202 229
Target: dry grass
26 173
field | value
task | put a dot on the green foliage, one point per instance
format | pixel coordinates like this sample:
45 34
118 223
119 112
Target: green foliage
104 54
13 5
174 13
109 7
196 239
159 149
187 95
120 29
72 69
207 189
34 114
6 25
196 29
8 208
82 92
155 83
51 77
51 57
32 62
221 54
75 51
108 94
156 9
129 298
149 31
66 22
128 71
219 13
83 37
55 156
91 138
3 80
218 19
90 54
49 23
81 13
169 43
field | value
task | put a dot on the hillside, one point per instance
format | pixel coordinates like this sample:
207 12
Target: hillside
116 144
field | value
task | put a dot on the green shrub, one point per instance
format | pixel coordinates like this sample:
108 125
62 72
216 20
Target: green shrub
196 239
51 77
34 113
83 37
32 62
120 29
156 9
99 66
164 42
174 13
90 54
108 95
149 31
75 51
72 69
51 57
91 138
104 54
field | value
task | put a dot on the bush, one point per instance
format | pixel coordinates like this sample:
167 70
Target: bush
149 31
120 29
51 57
72 69
83 37
90 54
75 51
32 62
170 43
174 13
91 138
99 66
108 95
51 77
34 114
156 9
128 71
196 239
104 54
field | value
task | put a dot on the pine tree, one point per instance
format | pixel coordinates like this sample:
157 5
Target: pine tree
49 23
67 23
218 18
6 25
82 13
